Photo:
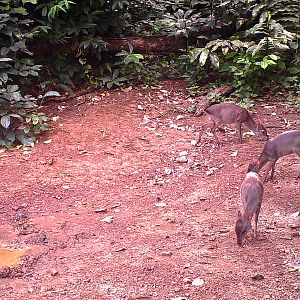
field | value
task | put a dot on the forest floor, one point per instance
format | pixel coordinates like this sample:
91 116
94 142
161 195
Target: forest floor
115 202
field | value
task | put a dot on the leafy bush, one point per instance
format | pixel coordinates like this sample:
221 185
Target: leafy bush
261 51
16 68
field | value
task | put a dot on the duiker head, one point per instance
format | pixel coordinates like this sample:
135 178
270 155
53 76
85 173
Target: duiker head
253 166
262 132
242 226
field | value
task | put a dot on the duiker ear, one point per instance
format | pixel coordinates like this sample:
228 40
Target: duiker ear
250 167
239 214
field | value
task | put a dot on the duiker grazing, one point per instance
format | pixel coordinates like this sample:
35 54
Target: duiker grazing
251 194
229 113
283 144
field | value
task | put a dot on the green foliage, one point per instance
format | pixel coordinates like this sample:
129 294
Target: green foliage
130 64
12 111
52 8
113 80
256 55
254 42
251 72
36 123
16 68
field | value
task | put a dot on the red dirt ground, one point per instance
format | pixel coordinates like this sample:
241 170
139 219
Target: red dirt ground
115 155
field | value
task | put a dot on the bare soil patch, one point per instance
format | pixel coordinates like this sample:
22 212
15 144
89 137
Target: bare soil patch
113 156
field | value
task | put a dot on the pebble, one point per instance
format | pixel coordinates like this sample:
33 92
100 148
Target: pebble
182 159
54 272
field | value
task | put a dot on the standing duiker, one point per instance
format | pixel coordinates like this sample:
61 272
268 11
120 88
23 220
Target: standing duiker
283 144
251 194
230 113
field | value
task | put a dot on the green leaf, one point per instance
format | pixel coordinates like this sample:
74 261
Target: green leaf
110 84
21 11
5 121
294 70
194 53
26 129
274 57
214 59
203 57
29 1
264 64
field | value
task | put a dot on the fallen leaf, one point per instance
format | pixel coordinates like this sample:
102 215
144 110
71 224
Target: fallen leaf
167 253
48 141
158 181
100 210
295 214
120 249
108 219
82 152
234 153
168 171
183 153
211 171
293 269
198 281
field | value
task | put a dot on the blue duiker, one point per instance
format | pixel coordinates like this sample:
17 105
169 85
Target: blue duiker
283 144
230 113
251 194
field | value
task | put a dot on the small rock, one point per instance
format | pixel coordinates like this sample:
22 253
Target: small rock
54 272
168 171
182 159
160 204
258 277
140 107
198 281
